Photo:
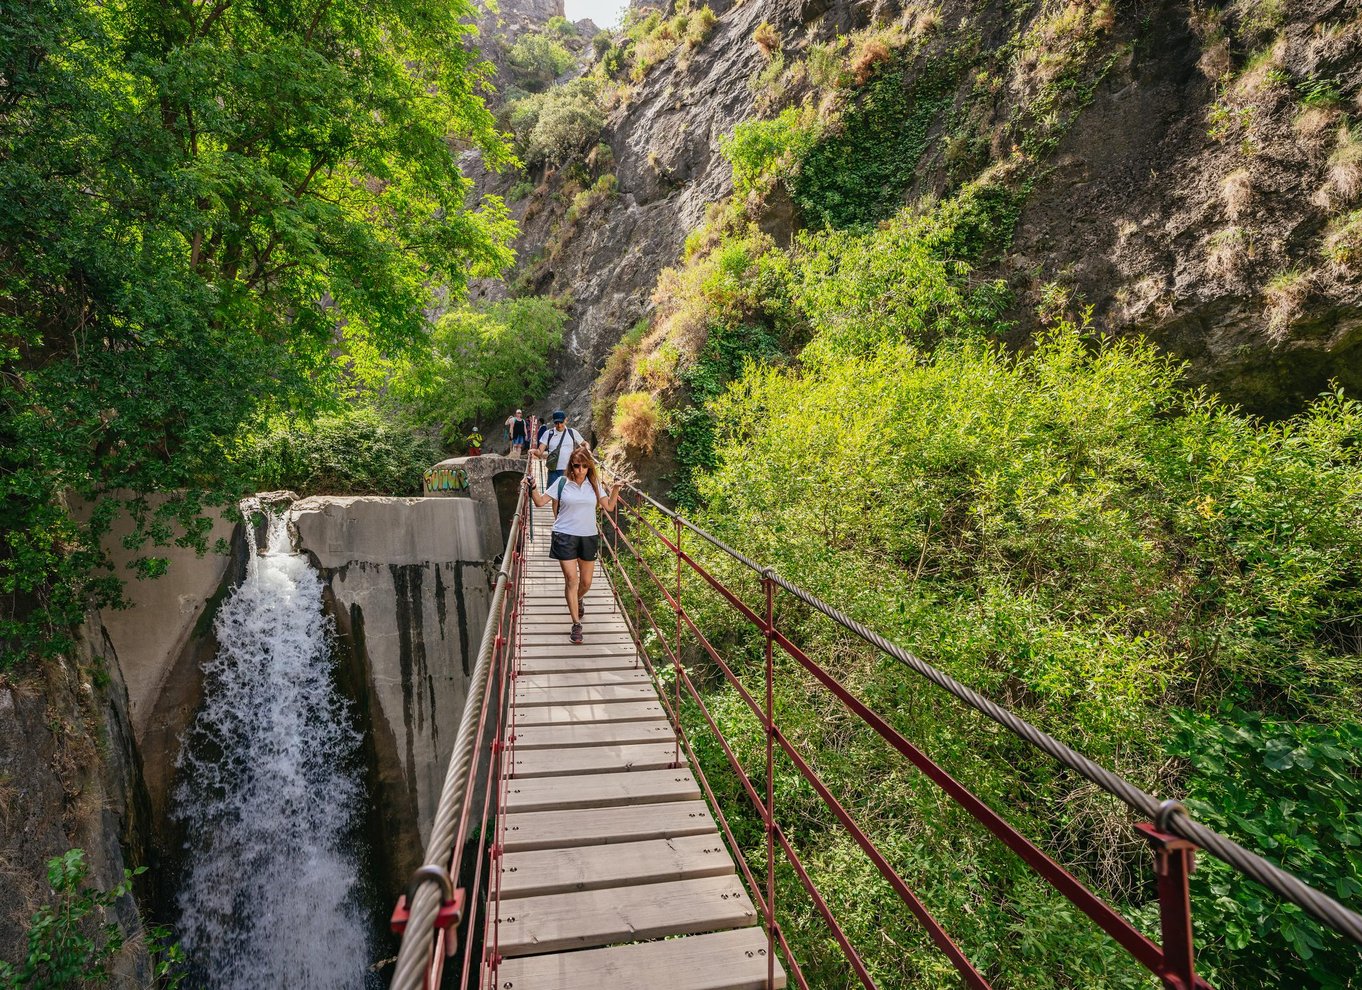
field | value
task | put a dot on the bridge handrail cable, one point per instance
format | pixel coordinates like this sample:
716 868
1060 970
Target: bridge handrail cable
1169 816
420 943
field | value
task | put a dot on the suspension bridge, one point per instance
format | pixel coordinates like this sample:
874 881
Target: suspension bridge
578 843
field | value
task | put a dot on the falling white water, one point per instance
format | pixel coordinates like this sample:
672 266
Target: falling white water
270 793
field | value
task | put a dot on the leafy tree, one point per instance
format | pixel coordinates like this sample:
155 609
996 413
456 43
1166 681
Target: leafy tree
207 213
536 60
482 362
358 451
556 125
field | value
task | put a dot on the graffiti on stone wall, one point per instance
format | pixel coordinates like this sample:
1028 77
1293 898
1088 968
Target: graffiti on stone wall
446 479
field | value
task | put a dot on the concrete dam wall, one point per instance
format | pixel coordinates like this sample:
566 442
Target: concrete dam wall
407 584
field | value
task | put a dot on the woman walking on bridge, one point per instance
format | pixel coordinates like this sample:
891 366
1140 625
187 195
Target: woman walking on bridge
576 535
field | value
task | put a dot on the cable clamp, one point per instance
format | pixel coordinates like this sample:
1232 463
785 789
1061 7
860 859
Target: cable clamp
1165 813
451 903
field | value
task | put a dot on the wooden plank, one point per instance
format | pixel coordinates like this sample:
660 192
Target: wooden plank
599 917
600 694
731 960
540 598
601 790
530 639
559 619
529 737
553 871
606 826
564 648
591 759
586 714
581 678
577 662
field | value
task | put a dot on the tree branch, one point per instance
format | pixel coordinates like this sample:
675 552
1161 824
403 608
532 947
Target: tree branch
316 19
213 15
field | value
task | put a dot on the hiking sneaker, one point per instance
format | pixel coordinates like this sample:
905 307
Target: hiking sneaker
576 634
581 608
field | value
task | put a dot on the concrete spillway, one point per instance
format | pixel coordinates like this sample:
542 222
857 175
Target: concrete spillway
403 584
270 793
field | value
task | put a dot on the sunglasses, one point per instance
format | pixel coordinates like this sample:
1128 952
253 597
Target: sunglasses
577 467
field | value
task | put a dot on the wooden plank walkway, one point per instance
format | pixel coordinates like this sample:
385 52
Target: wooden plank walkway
614 874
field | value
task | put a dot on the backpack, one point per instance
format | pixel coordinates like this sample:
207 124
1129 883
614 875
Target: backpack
551 455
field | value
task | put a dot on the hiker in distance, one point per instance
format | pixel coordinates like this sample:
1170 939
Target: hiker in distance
576 536
515 430
557 446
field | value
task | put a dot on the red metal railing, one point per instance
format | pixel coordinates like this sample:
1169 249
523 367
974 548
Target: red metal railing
481 794
474 798
1172 963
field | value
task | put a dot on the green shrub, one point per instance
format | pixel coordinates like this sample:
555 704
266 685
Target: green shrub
482 363
536 60
560 27
557 125
763 150
859 175
1294 791
1071 531
849 286
70 944
358 452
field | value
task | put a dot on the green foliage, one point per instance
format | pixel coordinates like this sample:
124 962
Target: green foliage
762 150
1070 531
1293 791
180 189
558 124
357 452
536 60
651 38
560 27
1255 19
481 363
69 943
848 284
859 176
692 430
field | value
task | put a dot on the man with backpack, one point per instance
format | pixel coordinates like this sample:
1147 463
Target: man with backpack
556 446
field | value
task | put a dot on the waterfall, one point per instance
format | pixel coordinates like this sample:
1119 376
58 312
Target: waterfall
270 792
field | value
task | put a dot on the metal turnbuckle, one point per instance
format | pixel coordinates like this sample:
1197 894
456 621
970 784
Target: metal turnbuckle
451 903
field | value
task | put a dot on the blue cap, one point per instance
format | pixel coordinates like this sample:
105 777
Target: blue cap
559 415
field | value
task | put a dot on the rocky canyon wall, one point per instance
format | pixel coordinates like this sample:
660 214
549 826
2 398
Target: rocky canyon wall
1198 195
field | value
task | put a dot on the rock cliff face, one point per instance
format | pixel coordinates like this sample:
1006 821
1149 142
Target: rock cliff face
71 776
1197 196
667 162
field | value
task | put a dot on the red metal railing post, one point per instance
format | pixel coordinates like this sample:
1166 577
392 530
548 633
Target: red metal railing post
676 655
1174 860
769 586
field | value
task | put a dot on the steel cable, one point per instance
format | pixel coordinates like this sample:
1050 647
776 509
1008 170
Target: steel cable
414 954
1168 816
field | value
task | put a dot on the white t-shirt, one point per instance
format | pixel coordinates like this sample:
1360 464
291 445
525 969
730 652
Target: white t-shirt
576 507
568 438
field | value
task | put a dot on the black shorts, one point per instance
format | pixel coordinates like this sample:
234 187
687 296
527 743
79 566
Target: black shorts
565 547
